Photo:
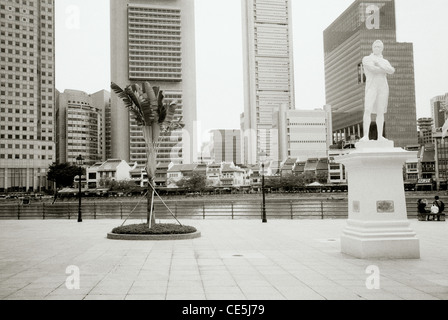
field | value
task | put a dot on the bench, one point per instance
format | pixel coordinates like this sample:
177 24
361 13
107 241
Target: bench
427 216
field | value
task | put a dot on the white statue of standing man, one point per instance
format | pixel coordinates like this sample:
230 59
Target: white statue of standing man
376 69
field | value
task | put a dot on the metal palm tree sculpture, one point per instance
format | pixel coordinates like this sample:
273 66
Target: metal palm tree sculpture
155 116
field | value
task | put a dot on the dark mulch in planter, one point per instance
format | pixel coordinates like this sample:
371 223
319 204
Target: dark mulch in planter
156 229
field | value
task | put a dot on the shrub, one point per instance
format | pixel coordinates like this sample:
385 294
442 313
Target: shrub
157 229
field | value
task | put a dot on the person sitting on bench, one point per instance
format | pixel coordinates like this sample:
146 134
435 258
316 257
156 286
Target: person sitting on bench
422 211
439 203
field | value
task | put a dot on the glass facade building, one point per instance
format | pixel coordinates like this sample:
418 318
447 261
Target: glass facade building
346 41
27 94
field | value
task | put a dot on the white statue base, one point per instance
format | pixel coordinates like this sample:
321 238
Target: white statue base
377 225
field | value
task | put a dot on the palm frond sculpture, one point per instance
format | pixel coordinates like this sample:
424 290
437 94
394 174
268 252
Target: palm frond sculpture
148 107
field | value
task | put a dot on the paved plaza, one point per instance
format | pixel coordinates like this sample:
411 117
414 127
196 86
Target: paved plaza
233 260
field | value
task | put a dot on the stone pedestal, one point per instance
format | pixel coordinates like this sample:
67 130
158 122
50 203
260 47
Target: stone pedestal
378 226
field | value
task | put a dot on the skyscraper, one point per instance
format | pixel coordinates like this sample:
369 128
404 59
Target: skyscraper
154 41
346 41
27 94
268 73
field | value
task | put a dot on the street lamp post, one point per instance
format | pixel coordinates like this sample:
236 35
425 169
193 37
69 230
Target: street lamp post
79 161
264 196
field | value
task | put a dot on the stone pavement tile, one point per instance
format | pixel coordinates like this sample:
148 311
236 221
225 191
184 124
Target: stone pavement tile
184 283
62 290
267 293
347 283
345 276
177 290
5 292
417 296
267 270
148 289
262 262
184 265
254 283
182 276
319 282
184 254
284 281
146 297
51 286
217 273
17 282
52 278
207 253
243 270
258 289
151 283
338 294
112 287
124 271
109 290
156 264
441 296
185 297
210 262
401 290
218 281
299 293
105 297
225 296
434 289
379 296
64 297
32 294
151 275
222 290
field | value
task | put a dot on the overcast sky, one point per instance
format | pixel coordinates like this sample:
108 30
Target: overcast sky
83 57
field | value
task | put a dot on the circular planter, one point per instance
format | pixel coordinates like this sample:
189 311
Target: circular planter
157 232
153 237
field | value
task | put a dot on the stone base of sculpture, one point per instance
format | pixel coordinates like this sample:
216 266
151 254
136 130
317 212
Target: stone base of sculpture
378 226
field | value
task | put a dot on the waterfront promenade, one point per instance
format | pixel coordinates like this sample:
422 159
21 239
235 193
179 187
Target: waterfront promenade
233 260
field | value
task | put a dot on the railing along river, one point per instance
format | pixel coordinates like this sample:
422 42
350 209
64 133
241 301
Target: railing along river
287 208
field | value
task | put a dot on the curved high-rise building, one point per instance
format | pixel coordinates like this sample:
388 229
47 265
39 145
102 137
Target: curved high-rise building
81 126
154 41
346 41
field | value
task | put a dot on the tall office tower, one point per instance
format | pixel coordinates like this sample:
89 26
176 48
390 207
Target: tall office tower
226 146
346 41
268 73
154 41
81 126
27 80
439 109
